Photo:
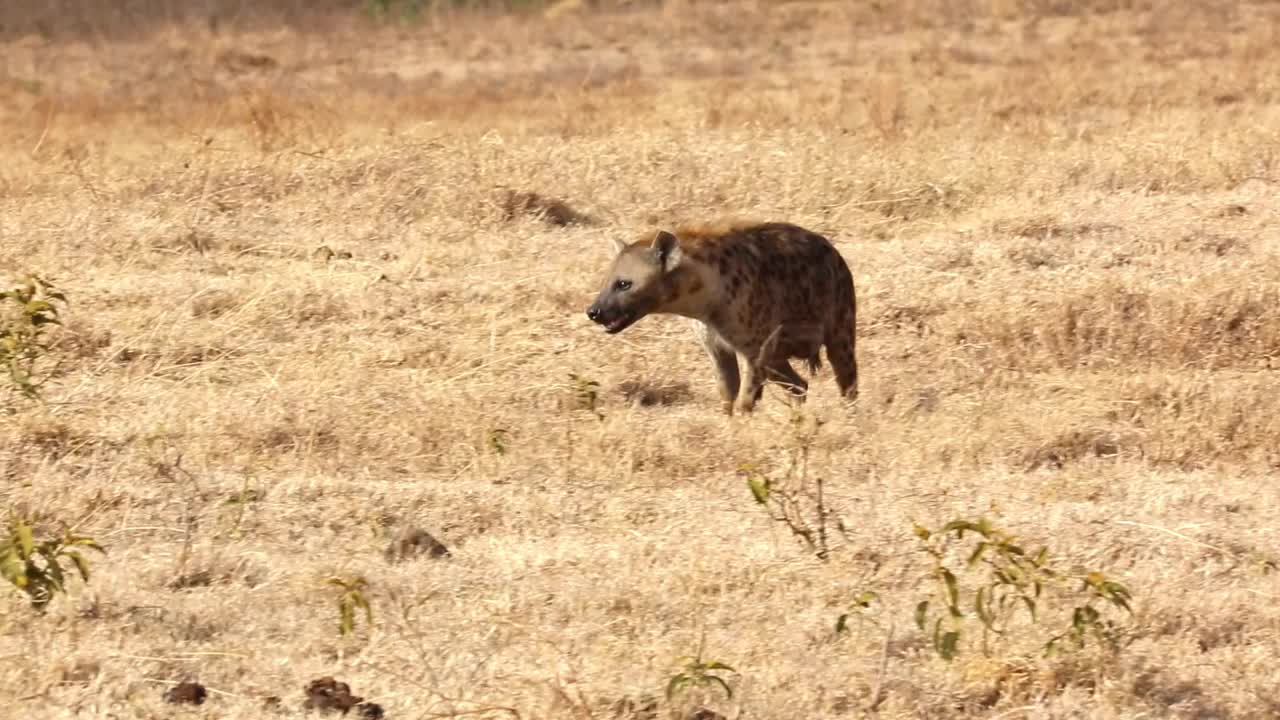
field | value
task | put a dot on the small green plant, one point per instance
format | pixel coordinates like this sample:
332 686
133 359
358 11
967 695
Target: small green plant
240 502
496 439
26 313
351 599
1087 620
1004 577
586 394
861 603
698 673
796 500
1265 564
35 567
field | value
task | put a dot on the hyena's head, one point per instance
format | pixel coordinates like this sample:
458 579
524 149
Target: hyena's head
637 283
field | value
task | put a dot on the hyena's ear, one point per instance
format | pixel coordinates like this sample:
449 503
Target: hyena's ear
618 246
668 249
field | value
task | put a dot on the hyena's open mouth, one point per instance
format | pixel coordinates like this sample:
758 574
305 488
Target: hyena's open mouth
621 322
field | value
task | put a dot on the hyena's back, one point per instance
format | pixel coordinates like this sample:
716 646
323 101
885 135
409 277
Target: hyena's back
777 276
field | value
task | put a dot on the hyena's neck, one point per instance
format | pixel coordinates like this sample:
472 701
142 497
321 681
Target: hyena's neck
690 293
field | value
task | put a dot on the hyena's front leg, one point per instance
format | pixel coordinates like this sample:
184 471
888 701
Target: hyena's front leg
752 388
726 363
757 372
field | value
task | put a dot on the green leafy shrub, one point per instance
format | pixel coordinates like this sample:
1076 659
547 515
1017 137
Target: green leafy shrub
35 567
699 673
27 312
999 580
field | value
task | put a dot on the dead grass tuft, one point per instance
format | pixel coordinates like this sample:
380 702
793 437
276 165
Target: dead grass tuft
82 340
1036 254
1197 324
413 542
647 394
1073 445
547 209
239 61
214 304
1046 227
1211 243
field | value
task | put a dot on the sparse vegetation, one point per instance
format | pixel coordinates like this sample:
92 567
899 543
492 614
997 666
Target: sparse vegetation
27 312
698 674
797 500
1006 579
350 599
293 267
36 566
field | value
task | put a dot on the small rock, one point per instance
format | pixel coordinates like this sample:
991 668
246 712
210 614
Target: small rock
370 711
328 694
413 542
186 693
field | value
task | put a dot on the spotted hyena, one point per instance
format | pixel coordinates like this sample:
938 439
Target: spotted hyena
769 292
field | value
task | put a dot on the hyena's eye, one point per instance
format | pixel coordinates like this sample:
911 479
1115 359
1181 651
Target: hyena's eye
622 285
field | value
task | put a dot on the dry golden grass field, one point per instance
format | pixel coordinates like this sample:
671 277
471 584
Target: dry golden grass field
304 318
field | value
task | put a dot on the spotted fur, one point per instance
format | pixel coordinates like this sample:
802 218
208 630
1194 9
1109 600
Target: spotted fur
767 293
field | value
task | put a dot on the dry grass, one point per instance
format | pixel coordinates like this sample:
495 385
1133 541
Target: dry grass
291 266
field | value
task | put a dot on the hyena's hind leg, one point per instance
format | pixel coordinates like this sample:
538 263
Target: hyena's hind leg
802 342
726 364
841 336
842 355
781 372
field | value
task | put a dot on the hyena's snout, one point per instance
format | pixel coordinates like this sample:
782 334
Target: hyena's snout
614 317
